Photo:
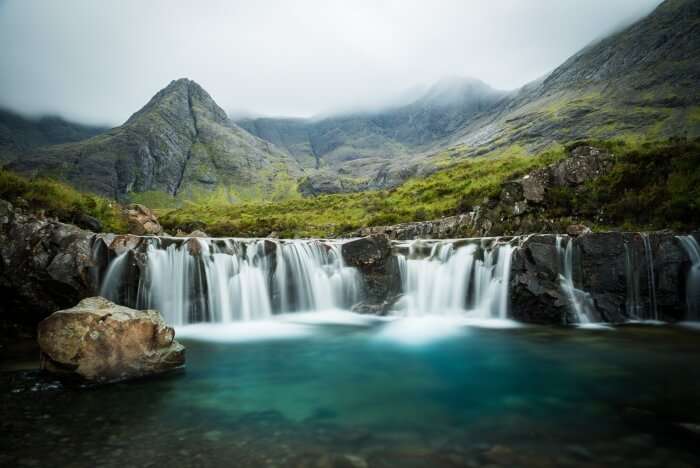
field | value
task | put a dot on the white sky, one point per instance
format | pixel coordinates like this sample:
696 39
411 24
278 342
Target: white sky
99 61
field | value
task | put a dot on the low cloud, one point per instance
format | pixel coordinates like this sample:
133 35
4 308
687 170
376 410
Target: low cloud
98 62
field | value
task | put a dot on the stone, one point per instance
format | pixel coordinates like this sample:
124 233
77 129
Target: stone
372 255
198 233
44 266
575 230
103 342
88 222
142 221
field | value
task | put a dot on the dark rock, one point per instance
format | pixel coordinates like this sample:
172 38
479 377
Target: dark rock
44 266
101 341
380 271
88 222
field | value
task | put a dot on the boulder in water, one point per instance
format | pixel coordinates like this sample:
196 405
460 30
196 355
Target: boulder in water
104 342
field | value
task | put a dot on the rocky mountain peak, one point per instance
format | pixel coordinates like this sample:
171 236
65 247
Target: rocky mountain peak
181 100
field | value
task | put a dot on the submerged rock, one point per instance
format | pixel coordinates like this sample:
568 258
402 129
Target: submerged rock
104 342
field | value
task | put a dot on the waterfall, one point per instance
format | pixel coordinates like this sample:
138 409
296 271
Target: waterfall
651 277
227 280
312 276
113 277
580 301
633 303
455 280
692 288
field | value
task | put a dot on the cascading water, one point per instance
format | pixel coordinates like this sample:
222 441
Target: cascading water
635 306
580 301
455 280
227 280
692 288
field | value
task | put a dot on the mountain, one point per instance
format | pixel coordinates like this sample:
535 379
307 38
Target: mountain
180 143
642 82
18 134
360 145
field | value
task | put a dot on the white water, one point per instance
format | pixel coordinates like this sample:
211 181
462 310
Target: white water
113 277
579 301
233 280
692 288
456 280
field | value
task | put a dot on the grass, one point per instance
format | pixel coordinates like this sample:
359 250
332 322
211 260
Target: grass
449 191
59 200
651 186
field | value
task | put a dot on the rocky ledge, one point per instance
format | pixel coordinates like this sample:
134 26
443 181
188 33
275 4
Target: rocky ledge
519 208
104 342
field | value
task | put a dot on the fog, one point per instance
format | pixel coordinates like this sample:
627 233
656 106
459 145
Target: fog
98 62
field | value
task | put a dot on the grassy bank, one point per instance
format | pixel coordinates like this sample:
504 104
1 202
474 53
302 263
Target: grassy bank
60 200
652 185
449 191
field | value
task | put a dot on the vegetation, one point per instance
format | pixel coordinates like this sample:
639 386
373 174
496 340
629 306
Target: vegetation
446 192
652 185
59 200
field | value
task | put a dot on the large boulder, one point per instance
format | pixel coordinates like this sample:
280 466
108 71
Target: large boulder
142 221
104 342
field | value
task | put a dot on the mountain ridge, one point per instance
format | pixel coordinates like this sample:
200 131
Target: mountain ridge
180 142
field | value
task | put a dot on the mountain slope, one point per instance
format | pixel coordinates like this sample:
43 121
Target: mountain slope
361 145
642 82
180 143
18 134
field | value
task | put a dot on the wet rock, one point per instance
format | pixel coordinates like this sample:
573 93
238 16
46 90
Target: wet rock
142 221
372 255
101 341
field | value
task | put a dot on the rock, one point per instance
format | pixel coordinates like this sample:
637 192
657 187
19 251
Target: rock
88 222
142 221
380 271
198 233
44 266
104 342
575 230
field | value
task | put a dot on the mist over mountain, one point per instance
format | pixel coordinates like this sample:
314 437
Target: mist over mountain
639 82
180 142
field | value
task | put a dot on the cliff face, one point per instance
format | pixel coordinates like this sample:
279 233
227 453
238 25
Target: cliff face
180 143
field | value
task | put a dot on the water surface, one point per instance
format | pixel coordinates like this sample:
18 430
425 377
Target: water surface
363 392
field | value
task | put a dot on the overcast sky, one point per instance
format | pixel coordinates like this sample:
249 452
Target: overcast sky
100 61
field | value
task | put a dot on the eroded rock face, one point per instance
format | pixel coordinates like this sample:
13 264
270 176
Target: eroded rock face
600 270
142 221
44 265
101 341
